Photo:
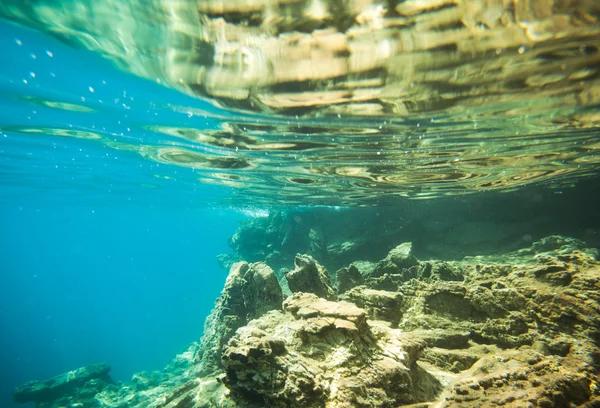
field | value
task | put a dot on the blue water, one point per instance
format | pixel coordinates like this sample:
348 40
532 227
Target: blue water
89 147
100 259
119 284
107 248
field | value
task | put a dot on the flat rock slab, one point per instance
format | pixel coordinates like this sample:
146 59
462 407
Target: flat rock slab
54 388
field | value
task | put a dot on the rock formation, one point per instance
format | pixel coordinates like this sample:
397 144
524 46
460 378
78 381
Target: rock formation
44 391
445 229
308 276
250 291
398 259
319 353
520 330
348 277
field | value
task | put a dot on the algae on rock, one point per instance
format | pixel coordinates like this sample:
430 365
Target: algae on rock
522 333
250 291
309 276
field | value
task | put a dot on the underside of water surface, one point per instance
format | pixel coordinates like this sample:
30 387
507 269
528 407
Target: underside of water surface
347 103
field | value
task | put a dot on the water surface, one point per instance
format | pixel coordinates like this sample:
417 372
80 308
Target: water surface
310 103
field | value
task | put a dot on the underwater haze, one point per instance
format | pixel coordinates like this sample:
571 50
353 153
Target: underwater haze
308 203
95 265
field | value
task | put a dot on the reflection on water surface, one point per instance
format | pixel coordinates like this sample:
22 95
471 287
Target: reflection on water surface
351 103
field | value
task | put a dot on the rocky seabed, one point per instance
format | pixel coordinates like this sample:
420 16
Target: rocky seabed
517 330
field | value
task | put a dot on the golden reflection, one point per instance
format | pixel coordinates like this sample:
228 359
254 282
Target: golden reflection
365 58
56 104
355 101
74 133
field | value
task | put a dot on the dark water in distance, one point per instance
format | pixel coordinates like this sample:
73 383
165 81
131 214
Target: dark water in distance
118 190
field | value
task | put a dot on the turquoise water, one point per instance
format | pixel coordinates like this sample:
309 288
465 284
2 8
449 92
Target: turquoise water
105 257
90 112
117 193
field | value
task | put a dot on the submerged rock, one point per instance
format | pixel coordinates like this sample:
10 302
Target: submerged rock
57 387
310 277
379 304
250 291
398 259
321 353
418 334
347 278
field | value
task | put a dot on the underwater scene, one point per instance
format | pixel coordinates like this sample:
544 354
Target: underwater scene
300 203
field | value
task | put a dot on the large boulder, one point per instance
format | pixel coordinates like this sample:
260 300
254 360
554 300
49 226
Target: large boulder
319 353
398 259
310 277
250 291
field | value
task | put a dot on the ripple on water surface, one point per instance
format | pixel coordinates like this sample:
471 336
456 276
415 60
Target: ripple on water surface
356 106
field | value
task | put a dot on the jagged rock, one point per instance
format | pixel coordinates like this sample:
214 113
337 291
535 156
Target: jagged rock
308 305
438 270
399 258
310 277
321 353
556 244
347 278
425 271
469 335
379 304
57 387
520 378
451 360
250 291
364 267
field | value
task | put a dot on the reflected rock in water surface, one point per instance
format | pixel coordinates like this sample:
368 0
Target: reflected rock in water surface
359 102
